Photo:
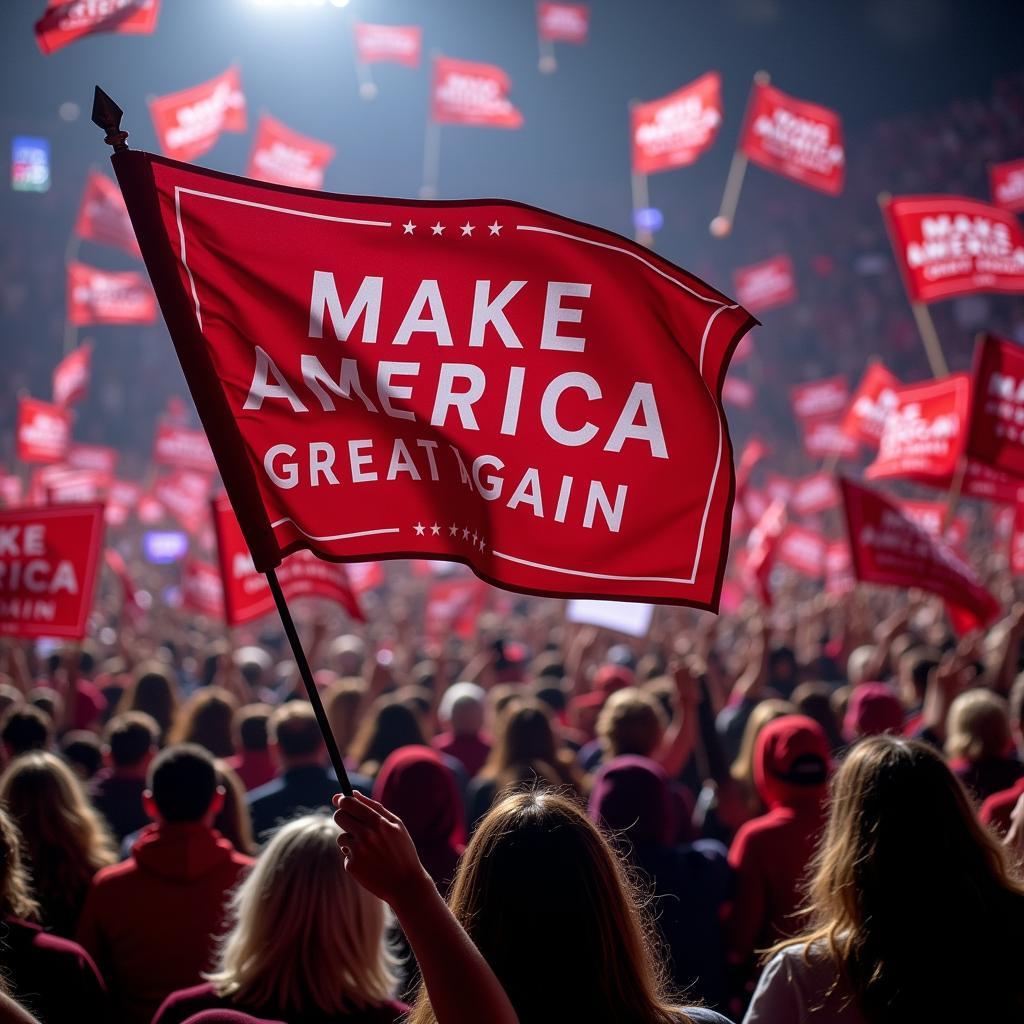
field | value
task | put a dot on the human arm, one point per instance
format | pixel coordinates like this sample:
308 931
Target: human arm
681 735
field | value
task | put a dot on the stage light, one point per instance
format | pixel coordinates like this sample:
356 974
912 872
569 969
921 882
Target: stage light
649 218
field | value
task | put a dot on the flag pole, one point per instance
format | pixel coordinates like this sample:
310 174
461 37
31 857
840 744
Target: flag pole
431 143
722 224
953 498
639 190
367 86
547 64
307 679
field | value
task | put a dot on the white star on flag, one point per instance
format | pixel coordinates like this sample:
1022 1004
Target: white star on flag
420 529
438 228
435 529
408 227
467 228
465 533
494 228
475 537
453 530
482 544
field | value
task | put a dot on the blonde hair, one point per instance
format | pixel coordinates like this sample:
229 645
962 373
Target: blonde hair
632 721
15 886
978 726
304 936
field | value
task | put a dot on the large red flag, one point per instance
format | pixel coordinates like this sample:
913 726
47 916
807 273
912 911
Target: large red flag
103 217
948 245
71 376
923 437
674 130
455 387
820 398
1007 185
188 123
871 404
398 44
43 431
463 92
102 297
931 515
766 285
890 548
247 593
285 157
796 139
48 562
996 434
563 23
66 21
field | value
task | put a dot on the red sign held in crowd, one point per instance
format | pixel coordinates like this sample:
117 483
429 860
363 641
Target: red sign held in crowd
544 471
48 563
103 217
1007 185
71 376
454 606
202 590
396 44
824 439
930 515
185 495
948 246
738 392
839 578
803 550
762 547
814 494
563 23
97 457
189 123
796 139
182 448
12 490
873 401
820 398
75 486
43 431
674 130
285 157
105 297
766 285
464 92
996 434
66 21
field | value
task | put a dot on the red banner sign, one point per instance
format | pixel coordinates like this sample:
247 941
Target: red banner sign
796 139
77 486
455 388
762 546
184 494
454 606
820 398
463 92
48 562
563 23
824 439
397 44
66 21
890 548
924 435
738 392
674 130
122 497
102 297
803 550
43 431
1007 185
285 157
930 515
188 123
989 484
814 494
766 285
71 377
97 457
948 246
182 448
872 402
202 590
996 434
103 217
839 578
12 490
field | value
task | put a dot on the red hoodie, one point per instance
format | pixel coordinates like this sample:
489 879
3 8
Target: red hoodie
149 921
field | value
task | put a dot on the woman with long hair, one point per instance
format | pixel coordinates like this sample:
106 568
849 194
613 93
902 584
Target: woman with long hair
154 691
306 944
64 838
206 719
914 911
390 724
233 821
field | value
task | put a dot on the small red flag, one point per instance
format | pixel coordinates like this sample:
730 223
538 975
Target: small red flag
762 547
453 606
397 44
122 498
12 490
563 23
185 495
188 123
43 431
824 439
674 130
182 448
66 21
766 285
738 392
97 457
1007 185
202 591
871 404
463 92
285 157
814 494
754 451
71 376
75 486
102 297
996 434
839 578
803 550
820 398
103 217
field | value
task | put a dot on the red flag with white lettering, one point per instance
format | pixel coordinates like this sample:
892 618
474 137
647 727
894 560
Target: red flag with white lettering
738 392
839 578
824 439
104 297
814 494
12 490
1006 182
765 285
396 44
871 404
820 398
930 515
48 563
803 550
103 217
948 245
794 138
463 92
75 486
285 157
43 431
188 123
122 498
924 434
453 606
247 593
996 434
182 448
563 23
986 484
762 548
482 389
66 21
71 376
97 457
890 548
184 494
674 130
202 590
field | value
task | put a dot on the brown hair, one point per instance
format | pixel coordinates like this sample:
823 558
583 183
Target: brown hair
15 886
978 726
154 691
525 746
632 721
206 718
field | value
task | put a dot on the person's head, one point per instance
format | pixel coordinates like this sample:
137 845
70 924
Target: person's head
389 724
25 728
632 721
294 736
304 936
873 709
154 691
462 709
9 694
346 655
523 740
233 821
782 670
631 797
814 699
552 695
48 700
16 897
548 904
857 664
181 786
911 896
792 760
342 701
914 668
742 769
205 718
978 727
131 740
254 664
249 728
81 749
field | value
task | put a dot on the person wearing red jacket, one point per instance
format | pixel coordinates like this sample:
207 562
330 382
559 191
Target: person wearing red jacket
150 921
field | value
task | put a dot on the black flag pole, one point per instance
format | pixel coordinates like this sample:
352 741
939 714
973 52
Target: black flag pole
106 115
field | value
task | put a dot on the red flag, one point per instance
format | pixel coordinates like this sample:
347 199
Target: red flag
1006 182
947 246
466 93
188 123
738 391
674 130
285 157
890 548
796 139
872 402
131 604
122 497
397 44
75 486
66 21
364 576
247 593
348 419
43 432
185 495
839 578
930 515
762 546
202 591
802 550
779 488
1017 542
824 439
97 457
48 562
754 451
101 297
12 490
765 285
996 434
453 606
820 398
563 23
182 448
71 377
103 217
814 494
923 437
989 484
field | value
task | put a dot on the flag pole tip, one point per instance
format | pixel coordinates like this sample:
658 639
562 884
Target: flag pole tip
884 197
106 114
762 77
721 226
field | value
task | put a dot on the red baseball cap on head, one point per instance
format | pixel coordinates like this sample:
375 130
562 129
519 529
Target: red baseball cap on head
873 709
610 678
